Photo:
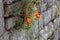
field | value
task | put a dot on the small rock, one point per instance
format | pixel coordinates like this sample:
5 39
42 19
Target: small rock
10 23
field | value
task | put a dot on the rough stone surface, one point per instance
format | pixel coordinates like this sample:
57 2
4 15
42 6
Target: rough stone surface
35 28
41 22
47 30
50 1
1 9
53 11
12 9
1 26
43 7
47 16
5 36
20 35
1 18
58 33
10 22
58 3
8 1
57 22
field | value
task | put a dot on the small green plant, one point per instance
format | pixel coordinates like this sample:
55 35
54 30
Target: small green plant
25 14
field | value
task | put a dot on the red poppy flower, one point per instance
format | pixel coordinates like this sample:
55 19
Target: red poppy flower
28 20
37 15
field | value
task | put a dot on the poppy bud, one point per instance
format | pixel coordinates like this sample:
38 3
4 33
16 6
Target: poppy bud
28 20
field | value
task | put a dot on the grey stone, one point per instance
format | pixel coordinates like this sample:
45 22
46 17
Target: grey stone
47 31
10 22
53 11
41 22
38 25
58 3
50 1
8 1
43 7
1 38
58 33
35 28
12 9
1 9
19 35
13 36
8 11
47 16
23 35
43 1
2 26
6 36
57 22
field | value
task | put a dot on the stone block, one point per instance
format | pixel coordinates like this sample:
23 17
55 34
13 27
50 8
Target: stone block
12 9
58 33
19 35
58 4
2 29
47 31
50 3
5 36
9 1
57 22
43 7
47 16
14 36
10 22
35 28
1 38
43 1
41 22
1 9
53 11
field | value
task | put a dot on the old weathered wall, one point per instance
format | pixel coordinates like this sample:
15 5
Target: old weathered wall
47 23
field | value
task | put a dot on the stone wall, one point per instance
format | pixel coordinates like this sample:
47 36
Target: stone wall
50 20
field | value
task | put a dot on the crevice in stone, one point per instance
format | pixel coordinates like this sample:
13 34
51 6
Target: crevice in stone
9 17
51 20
